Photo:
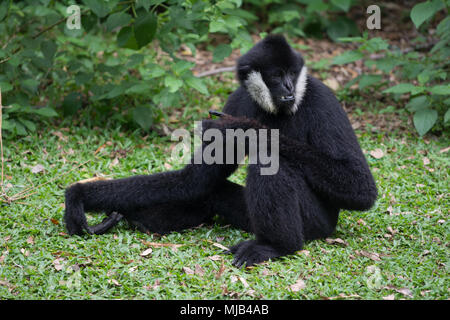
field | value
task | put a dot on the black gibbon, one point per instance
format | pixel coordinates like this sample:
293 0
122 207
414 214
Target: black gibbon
321 168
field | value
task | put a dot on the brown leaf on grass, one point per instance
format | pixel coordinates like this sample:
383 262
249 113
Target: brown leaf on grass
377 153
343 296
220 272
188 270
218 245
244 282
59 135
114 282
444 150
154 286
298 285
25 252
54 221
58 264
30 240
7 284
37 168
389 297
404 291
199 270
425 161
371 255
146 252
336 241
215 257
160 244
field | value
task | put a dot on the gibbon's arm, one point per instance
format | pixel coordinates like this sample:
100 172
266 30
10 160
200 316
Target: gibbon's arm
341 176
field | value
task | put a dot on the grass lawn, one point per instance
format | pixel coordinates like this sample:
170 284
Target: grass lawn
397 250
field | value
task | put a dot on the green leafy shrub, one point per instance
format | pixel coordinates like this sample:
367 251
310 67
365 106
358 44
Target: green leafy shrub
125 54
423 75
306 17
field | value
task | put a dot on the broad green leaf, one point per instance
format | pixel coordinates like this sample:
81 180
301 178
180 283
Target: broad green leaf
118 19
417 103
197 84
424 119
221 52
172 83
347 57
101 8
48 49
401 88
423 11
28 124
30 85
145 29
5 86
143 116
369 79
440 89
46 112
126 39
342 4
182 66
447 116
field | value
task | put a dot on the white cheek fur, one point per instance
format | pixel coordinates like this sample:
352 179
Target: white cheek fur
259 92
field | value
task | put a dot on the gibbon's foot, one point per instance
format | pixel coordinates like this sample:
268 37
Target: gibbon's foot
251 252
106 224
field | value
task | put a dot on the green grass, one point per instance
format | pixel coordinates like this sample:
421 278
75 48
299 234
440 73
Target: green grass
399 247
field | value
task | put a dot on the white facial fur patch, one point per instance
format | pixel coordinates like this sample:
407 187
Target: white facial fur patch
258 90
300 88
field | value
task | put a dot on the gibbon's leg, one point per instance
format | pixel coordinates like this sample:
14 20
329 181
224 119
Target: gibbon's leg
284 212
226 200
139 193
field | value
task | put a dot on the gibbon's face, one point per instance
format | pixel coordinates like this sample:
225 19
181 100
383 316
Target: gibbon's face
274 75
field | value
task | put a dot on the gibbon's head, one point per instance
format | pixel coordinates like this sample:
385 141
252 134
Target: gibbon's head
274 75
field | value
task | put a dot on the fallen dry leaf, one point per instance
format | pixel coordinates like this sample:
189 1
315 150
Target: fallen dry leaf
220 272
299 285
244 282
160 245
389 297
336 241
146 252
37 168
371 255
58 264
199 270
215 258
444 150
425 161
153 286
377 153
404 291
114 282
188 270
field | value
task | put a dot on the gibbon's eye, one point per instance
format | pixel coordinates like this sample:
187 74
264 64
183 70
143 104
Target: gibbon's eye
277 74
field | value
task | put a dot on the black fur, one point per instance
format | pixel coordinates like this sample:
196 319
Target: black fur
321 171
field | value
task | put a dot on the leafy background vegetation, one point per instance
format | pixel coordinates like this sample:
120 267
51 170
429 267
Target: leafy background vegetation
105 98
